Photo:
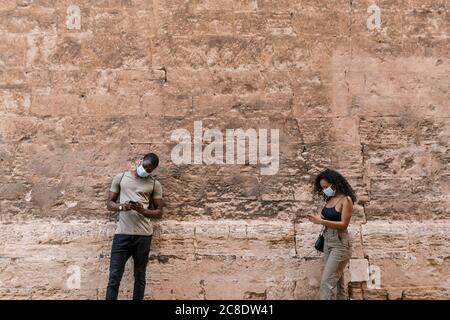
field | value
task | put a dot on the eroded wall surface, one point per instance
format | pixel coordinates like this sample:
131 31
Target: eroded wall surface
86 87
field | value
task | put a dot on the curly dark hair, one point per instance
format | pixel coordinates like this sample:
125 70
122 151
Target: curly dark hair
337 180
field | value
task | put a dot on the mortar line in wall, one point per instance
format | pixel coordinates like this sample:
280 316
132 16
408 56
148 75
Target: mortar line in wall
402 30
363 164
362 291
155 5
294 289
361 241
347 71
350 30
195 240
368 262
295 240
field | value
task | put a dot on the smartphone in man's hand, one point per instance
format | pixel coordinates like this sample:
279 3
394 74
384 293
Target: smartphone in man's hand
135 205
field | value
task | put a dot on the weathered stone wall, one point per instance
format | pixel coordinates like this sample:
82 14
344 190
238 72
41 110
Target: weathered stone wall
81 100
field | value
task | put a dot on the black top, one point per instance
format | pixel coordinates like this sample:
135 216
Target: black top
331 214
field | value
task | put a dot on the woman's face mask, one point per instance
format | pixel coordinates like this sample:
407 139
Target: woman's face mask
140 171
329 192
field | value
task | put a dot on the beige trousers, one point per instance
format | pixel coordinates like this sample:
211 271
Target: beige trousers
337 252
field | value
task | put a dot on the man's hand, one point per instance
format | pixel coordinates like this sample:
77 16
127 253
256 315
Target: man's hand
317 219
127 205
138 207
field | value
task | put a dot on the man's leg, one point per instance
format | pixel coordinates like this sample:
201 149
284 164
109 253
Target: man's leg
120 253
140 258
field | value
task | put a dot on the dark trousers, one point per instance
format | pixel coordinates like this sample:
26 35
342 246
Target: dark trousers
125 246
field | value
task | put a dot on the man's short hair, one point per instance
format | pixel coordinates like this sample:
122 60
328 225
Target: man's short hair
153 158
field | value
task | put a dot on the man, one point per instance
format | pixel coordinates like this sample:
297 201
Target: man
136 191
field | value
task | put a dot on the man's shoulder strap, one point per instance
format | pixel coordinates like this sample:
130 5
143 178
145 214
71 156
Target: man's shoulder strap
121 179
153 190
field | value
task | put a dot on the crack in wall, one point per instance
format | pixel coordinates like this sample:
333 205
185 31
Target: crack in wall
295 240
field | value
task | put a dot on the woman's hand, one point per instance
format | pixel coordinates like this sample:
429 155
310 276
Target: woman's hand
315 218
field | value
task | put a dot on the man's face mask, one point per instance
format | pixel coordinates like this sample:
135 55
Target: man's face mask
140 171
329 192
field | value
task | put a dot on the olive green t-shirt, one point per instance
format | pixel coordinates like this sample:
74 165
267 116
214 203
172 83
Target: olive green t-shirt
135 189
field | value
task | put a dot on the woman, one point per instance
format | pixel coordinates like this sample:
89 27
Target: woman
335 218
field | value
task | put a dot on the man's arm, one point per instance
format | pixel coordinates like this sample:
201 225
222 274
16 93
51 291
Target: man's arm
112 205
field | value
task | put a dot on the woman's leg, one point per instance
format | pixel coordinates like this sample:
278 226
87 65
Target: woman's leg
326 253
340 289
333 273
